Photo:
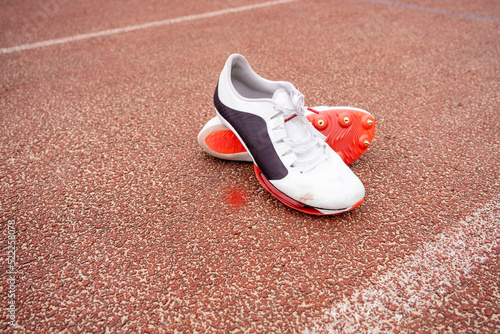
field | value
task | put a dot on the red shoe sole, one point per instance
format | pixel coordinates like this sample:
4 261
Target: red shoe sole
349 132
225 142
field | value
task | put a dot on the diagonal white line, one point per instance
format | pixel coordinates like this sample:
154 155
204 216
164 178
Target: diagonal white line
420 282
140 26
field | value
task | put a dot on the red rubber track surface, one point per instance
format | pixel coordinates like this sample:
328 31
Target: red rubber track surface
123 224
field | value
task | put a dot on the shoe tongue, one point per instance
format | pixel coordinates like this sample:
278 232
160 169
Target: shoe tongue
295 127
283 99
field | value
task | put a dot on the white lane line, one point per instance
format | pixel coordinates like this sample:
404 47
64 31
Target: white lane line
421 282
434 10
141 26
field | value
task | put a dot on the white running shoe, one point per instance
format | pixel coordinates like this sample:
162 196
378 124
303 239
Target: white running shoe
292 160
349 132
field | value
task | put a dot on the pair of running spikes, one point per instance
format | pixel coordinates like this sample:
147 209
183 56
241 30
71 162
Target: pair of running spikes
300 154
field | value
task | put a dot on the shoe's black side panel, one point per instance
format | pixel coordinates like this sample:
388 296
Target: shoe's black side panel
252 130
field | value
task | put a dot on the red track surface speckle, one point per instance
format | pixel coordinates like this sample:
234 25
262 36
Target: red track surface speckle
123 224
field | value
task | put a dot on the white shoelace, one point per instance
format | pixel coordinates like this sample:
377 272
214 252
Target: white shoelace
308 144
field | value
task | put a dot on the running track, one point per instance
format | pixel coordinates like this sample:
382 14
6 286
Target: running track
122 224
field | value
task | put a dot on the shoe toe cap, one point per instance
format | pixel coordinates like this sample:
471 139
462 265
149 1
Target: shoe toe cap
333 188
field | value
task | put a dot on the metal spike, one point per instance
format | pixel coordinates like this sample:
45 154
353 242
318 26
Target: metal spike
366 142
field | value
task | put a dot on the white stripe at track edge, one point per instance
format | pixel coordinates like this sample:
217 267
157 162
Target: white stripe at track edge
140 26
466 243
